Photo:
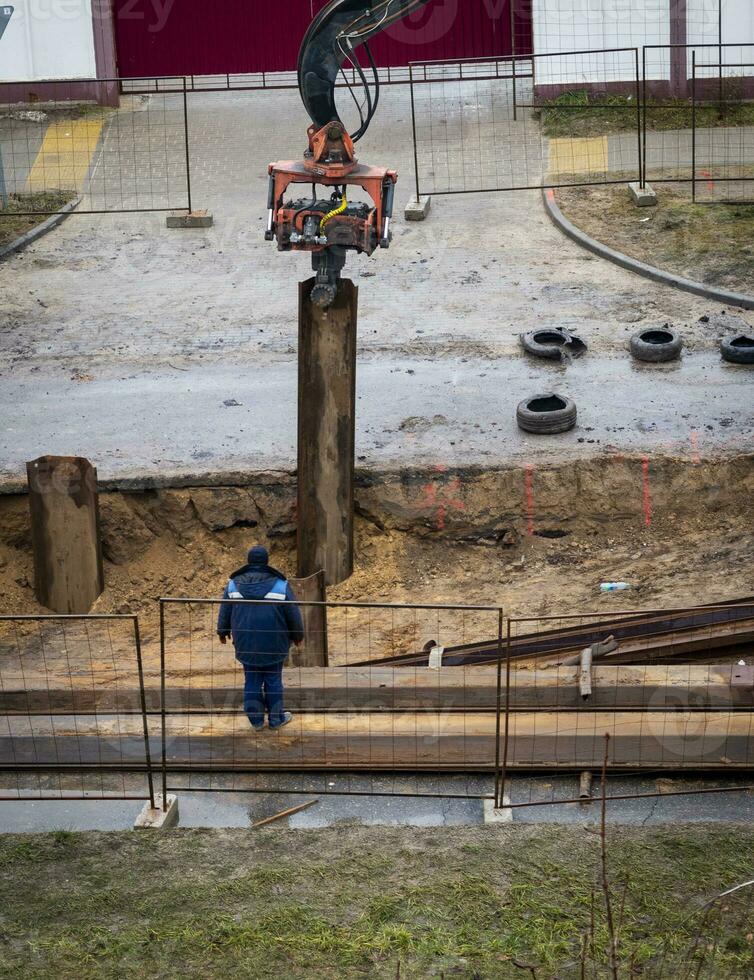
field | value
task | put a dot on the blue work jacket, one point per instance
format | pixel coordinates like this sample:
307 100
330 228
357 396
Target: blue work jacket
262 633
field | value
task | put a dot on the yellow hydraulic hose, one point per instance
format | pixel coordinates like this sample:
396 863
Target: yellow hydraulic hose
333 214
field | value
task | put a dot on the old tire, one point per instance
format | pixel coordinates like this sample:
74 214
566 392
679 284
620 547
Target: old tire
656 345
547 414
553 345
738 349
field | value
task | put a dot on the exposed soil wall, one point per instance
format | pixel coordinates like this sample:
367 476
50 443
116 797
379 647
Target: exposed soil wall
538 540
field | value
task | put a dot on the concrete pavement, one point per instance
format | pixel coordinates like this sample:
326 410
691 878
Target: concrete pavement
123 341
460 411
241 810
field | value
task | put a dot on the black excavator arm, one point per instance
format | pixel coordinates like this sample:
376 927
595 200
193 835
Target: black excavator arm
330 227
332 40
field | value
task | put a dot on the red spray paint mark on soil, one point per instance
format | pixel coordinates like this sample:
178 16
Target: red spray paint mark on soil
647 492
437 499
529 492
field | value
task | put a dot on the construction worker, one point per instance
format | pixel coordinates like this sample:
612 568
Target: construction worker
262 635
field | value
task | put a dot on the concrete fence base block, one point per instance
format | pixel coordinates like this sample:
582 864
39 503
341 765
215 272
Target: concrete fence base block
157 818
418 209
643 197
493 815
190 219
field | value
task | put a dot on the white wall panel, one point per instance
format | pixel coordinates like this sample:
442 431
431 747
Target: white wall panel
579 25
737 29
48 39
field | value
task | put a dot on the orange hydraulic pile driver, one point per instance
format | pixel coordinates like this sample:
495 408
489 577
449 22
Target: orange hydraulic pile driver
329 227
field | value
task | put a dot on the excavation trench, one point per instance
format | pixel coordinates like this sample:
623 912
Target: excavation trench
538 541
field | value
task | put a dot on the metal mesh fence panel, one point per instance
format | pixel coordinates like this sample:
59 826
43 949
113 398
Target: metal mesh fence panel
561 119
65 152
252 81
73 722
719 24
723 153
365 724
666 687
672 112
566 25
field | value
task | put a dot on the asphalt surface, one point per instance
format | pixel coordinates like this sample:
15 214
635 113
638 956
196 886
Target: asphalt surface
241 810
128 343
438 413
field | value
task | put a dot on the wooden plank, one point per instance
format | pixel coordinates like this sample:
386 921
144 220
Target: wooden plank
434 741
585 674
387 689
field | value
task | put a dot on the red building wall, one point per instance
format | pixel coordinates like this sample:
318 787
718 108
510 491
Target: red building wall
194 37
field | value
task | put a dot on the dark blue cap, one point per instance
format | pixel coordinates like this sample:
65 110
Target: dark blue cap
259 556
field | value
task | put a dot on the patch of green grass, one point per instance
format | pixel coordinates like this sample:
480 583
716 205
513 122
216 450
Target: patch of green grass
37 850
580 114
21 850
356 902
14 220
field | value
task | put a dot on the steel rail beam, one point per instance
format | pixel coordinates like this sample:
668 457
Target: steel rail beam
630 626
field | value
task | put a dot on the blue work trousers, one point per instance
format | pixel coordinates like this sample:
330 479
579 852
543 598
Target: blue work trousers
263 694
